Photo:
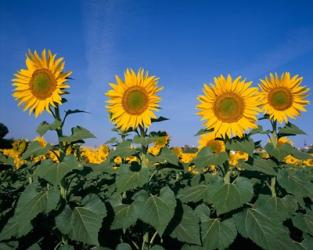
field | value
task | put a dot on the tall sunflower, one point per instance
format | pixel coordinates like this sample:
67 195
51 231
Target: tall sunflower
132 102
210 141
42 83
229 106
283 97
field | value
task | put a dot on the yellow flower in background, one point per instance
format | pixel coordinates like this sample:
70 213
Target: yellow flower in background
162 141
235 156
41 140
154 150
15 155
283 97
230 107
42 83
95 155
284 140
178 151
308 162
210 141
289 159
118 160
187 157
132 102
131 159
193 170
19 146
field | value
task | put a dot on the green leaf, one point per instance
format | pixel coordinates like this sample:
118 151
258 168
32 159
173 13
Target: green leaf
127 179
44 127
123 150
217 234
168 156
307 242
266 231
275 206
35 149
123 246
54 173
74 111
304 222
159 119
203 212
203 131
232 195
124 216
296 183
78 134
188 229
203 157
84 222
290 129
261 165
157 247
194 194
157 210
29 205
241 145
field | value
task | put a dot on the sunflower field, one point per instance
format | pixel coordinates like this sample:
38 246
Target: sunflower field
137 192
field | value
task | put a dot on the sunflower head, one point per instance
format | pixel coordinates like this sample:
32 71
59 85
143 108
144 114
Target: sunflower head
229 106
210 141
42 83
132 102
283 97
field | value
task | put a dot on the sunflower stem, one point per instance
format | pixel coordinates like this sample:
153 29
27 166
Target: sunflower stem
143 134
59 132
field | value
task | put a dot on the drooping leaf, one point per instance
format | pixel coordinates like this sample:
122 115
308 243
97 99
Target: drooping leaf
261 165
304 222
194 194
54 173
203 212
35 149
83 223
241 145
159 119
290 129
203 157
188 230
203 131
156 210
232 195
125 215
217 234
44 127
78 134
30 204
127 179
296 183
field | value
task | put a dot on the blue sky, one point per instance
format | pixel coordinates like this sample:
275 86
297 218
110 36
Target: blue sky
185 43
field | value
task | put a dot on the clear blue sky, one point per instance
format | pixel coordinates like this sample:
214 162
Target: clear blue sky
185 43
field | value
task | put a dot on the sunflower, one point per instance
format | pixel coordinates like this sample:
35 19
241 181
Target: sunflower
283 97
229 106
132 102
42 83
210 141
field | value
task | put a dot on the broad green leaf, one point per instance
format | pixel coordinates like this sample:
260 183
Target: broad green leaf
157 247
45 126
84 222
29 205
296 183
54 173
202 158
239 219
35 149
168 156
125 215
275 206
123 150
290 129
266 231
157 210
232 195
194 194
261 165
123 246
243 146
127 179
188 229
203 212
12 245
304 222
217 234
78 134
307 242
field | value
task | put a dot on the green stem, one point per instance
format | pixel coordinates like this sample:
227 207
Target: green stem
153 238
273 186
59 132
143 135
145 241
227 177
